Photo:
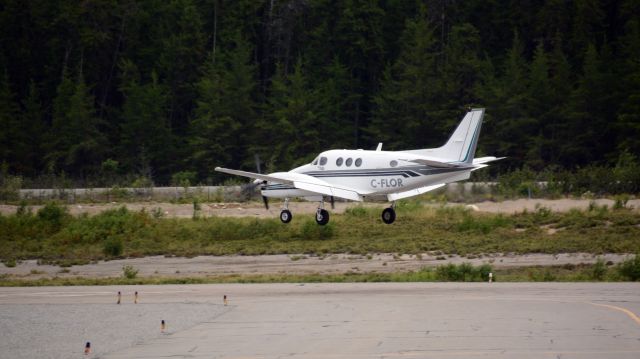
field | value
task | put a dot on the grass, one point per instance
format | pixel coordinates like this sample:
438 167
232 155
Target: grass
446 273
53 236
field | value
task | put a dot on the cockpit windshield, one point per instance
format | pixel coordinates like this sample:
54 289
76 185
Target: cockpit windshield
315 161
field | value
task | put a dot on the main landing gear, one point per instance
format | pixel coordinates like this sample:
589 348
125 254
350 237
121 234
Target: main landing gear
389 214
322 215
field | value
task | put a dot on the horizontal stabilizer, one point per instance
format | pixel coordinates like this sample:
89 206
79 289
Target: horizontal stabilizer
439 164
414 192
486 159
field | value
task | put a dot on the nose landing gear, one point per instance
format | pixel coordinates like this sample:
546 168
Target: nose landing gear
285 214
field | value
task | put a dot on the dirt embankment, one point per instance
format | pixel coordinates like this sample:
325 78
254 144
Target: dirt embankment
203 266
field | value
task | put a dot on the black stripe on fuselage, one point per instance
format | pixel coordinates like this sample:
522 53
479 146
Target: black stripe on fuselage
404 172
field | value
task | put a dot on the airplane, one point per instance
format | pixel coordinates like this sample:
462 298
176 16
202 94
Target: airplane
356 175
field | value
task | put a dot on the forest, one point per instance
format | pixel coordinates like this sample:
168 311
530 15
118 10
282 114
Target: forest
103 92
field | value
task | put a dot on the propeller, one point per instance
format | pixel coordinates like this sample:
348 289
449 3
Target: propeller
333 202
265 200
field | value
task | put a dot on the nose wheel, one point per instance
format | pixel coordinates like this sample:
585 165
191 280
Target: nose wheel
285 216
322 216
388 215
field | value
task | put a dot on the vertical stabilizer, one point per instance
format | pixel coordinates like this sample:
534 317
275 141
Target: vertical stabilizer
462 144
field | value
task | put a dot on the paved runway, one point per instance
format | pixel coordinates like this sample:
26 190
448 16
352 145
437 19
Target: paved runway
378 320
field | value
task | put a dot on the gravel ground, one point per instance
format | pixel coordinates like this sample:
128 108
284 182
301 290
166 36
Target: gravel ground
202 266
62 330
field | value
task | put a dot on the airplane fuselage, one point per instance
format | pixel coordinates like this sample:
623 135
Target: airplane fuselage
356 175
374 173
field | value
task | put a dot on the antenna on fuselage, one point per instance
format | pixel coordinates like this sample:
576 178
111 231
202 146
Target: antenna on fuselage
379 148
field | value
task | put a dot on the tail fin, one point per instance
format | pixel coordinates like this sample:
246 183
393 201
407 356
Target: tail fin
462 144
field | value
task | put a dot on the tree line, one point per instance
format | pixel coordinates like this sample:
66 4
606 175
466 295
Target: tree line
98 91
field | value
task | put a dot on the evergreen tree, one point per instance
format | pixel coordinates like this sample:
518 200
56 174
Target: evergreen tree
147 143
539 105
225 110
289 130
628 118
409 90
59 140
9 128
334 100
87 142
507 102
33 127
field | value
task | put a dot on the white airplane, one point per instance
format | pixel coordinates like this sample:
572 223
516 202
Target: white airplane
388 175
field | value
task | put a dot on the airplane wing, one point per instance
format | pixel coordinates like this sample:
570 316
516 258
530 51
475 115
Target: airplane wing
414 192
301 181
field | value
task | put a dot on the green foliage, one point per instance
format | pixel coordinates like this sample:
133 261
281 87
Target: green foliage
183 178
599 270
464 272
53 214
167 87
630 268
113 247
129 272
10 187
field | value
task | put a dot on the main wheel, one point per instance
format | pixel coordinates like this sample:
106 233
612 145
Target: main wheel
388 215
322 217
285 216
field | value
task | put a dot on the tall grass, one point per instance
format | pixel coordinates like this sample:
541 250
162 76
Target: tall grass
53 235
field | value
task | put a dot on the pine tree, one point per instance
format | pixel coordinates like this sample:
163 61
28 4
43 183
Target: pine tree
8 124
409 88
292 113
34 127
225 110
538 102
86 151
59 140
628 118
147 143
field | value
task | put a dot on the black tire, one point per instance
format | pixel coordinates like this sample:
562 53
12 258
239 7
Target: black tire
285 216
322 217
388 215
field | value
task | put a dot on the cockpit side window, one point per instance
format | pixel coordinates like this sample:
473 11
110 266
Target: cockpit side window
323 161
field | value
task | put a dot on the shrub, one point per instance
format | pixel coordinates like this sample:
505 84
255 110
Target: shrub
464 272
311 230
113 247
129 272
356 211
9 187
630 268
53 213
599 270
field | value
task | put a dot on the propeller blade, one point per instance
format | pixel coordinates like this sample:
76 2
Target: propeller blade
266 202
333 203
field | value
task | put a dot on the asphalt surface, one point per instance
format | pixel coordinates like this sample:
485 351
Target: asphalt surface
365 320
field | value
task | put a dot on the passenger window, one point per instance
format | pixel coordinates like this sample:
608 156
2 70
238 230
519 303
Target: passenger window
358 162
323 161
339 161
349 162
393 163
